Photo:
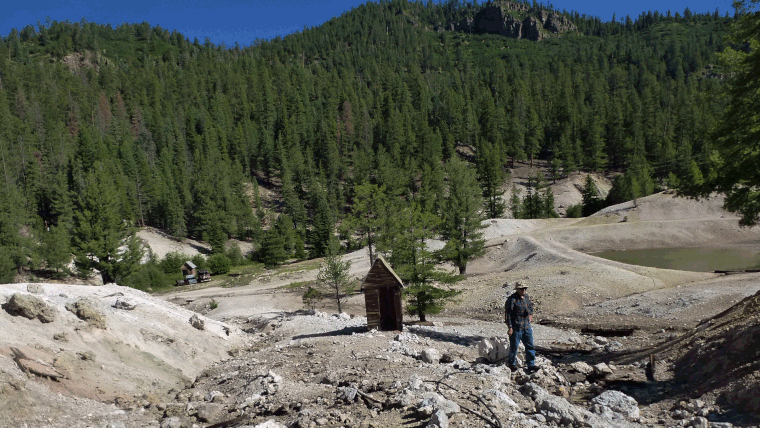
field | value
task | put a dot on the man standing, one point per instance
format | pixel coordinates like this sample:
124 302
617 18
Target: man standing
518 314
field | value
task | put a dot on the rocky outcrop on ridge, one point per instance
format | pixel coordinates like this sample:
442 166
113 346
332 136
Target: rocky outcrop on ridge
514 20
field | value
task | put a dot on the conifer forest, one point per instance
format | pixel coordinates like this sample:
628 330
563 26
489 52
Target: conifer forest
388 125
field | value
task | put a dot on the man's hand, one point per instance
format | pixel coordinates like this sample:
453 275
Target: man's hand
510 331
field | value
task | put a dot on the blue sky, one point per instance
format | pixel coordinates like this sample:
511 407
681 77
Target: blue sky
242 21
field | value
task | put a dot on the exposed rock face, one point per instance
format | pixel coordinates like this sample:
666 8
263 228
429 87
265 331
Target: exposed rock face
517 21
30 307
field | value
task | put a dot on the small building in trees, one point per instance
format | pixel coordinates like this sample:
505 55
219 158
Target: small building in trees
189 268
382 295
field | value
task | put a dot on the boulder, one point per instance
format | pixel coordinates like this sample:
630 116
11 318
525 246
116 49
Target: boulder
270 424
582 368
602 370
431 355
124 305
171 422
35 289
86 311
493 349
31 307
618 403
697 422
433 402
197 322
210 412
439 419
347 394
560 411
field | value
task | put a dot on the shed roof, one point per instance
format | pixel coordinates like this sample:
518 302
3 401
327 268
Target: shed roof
190 264
379 264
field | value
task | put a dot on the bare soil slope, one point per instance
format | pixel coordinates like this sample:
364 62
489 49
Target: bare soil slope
104 354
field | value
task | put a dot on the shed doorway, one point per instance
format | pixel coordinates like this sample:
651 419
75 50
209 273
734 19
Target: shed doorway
388 309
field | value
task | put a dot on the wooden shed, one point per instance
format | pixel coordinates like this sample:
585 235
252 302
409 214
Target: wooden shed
382 295
189 268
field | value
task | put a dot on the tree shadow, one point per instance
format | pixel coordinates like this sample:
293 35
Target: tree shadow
446 337
345 331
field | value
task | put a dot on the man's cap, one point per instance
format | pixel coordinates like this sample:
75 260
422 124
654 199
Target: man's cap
519 285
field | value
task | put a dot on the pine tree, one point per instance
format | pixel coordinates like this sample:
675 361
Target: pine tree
404 243
591 201
333 274
491 177
366 214
462 217
99 228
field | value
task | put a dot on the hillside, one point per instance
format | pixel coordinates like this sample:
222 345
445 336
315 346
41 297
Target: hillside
150 129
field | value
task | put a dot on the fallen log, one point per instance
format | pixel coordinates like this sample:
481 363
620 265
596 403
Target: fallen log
609 332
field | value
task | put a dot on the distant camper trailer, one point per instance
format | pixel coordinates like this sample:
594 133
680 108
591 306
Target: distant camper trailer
382 295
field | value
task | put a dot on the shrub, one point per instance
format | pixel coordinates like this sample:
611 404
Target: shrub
219 264
574 211
200 261
235 254
311 297
172 262
147 277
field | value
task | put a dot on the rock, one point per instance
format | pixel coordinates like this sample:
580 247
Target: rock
602 370
697 422
30 307
559 410
35 289
124 305
439 419
493 349
344 316
680 414
447 357
431 355
172 422
600 340
274 377
406 337
613 346
618 403
197 322
348 394
212 397
38 369
502 398
210 412
433 402
61 336
582 367
86 311
270 424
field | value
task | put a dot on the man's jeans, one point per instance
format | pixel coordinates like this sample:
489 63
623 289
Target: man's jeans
514 341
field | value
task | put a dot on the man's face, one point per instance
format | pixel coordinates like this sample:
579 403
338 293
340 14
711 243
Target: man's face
521 291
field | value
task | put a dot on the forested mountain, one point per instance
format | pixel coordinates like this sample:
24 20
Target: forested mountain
105 128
